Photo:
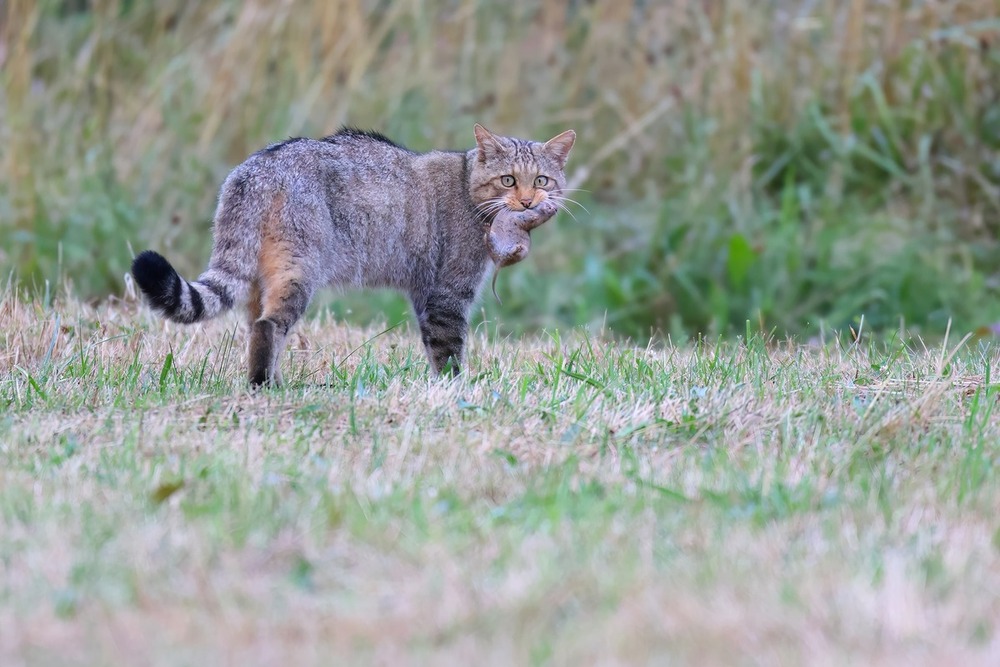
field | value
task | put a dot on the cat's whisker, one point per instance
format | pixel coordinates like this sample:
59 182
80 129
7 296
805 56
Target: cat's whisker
560 198
491 201
560 195
573 201
487 202
489 207
491 210
490 204
562 207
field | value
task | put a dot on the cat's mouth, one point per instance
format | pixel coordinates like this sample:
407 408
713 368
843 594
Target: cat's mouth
524 204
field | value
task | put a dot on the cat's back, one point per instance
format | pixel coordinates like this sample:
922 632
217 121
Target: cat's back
354 198
347 156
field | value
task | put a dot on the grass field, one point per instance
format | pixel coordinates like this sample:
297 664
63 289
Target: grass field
710 495
573 500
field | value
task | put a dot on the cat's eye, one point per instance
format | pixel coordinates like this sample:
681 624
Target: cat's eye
507 181
541 181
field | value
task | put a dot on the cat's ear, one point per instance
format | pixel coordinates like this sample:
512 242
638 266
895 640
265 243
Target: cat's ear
489 145
559 146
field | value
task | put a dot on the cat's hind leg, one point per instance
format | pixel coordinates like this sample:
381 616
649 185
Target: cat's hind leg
283 305
286 287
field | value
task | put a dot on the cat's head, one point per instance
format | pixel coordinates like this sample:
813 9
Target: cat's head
517 174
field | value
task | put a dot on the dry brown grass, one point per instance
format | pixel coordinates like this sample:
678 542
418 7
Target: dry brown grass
599 68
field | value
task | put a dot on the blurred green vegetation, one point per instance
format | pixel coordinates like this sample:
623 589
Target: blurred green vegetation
795 163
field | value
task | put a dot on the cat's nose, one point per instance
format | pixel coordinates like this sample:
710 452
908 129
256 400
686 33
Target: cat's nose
526 203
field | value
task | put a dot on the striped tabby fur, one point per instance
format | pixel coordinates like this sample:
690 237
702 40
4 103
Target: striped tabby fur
355 209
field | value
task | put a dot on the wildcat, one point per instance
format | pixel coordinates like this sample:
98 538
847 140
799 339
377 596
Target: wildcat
356 209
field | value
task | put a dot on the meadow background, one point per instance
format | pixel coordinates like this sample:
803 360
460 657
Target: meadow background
586 494
796 163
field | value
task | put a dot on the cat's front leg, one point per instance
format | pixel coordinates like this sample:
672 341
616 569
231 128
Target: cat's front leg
444 326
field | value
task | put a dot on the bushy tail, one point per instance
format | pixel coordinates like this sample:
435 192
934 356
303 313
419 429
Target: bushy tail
181 301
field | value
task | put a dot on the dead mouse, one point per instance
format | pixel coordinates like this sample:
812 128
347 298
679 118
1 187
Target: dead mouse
508 239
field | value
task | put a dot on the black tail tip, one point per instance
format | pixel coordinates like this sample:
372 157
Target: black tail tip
156 278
